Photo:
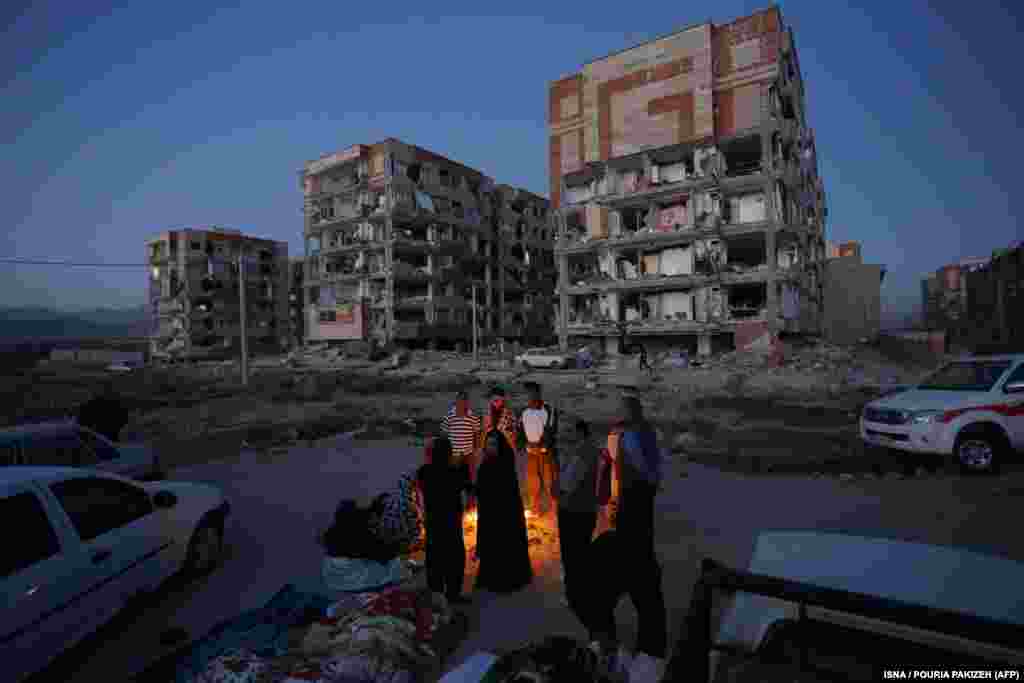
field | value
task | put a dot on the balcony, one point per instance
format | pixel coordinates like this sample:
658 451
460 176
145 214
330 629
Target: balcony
408 330
655 239
411 245
411 303
352 275
349 245
403 272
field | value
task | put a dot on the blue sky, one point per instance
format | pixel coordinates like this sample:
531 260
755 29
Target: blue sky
119 123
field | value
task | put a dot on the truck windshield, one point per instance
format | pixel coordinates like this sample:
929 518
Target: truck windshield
966 376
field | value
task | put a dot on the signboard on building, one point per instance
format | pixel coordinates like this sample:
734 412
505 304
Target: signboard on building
340 321
353 152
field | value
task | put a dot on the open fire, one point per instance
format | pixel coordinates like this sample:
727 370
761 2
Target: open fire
471 516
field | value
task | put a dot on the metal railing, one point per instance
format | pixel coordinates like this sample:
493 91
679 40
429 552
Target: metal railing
700 640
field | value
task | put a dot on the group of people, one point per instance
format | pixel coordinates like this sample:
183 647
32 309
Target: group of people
502 464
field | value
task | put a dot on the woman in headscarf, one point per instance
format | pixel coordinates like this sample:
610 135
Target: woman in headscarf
502 543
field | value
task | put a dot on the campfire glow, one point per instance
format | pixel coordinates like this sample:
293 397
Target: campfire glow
470 516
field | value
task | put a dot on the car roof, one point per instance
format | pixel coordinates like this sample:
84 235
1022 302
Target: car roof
19 474
36 428
1012 357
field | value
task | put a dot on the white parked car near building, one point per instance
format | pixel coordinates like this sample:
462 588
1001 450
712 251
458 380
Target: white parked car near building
87 543
970 410
545 358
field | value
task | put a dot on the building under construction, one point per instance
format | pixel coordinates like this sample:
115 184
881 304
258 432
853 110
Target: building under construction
195 295
689 201
399 238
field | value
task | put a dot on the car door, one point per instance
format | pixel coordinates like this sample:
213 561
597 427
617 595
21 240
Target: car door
119 528
10 452
1015 414
56 448
43 578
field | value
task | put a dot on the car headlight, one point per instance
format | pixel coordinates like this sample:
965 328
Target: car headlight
925 417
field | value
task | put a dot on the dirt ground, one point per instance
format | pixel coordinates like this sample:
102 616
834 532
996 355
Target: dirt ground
733 412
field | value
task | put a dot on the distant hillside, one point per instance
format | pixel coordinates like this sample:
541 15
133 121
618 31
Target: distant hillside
34 323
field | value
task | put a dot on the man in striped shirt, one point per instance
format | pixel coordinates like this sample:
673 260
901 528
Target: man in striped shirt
463 429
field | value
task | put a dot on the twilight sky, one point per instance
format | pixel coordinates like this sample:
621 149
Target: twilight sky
117 124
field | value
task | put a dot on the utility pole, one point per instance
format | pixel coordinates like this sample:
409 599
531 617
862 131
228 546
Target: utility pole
476 348
241 305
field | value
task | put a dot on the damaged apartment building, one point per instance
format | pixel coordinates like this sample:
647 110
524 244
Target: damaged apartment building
399 238
195 298
688 198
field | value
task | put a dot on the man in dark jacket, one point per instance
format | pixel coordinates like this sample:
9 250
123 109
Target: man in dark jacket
641 478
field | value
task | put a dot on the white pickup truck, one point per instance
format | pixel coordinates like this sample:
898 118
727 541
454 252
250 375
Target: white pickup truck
971 410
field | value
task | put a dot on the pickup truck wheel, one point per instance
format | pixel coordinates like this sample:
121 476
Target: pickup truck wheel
979 451
205 548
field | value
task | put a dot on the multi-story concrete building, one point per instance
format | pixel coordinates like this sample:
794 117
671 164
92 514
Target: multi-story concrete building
852 296
195 296
398 238
296 285
994 303
944 296
689 201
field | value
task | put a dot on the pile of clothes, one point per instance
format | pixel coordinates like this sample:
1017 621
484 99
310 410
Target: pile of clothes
391 637
563 658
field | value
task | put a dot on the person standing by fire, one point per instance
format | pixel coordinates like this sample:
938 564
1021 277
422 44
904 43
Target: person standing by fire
538 426
500 417
463 429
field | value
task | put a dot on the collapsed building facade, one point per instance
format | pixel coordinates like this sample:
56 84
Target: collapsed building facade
296 285
688 199
398 238
995 303
195 298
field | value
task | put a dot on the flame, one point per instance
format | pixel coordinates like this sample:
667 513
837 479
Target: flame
471 516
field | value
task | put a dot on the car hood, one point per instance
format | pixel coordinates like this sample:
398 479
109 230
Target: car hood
137 450
197 499
925 399
934 576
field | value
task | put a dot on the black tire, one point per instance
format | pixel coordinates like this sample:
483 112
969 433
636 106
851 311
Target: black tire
979 450
206 539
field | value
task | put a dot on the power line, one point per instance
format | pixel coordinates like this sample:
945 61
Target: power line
40 262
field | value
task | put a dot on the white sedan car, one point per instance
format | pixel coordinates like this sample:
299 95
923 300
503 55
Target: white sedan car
544 358
87 543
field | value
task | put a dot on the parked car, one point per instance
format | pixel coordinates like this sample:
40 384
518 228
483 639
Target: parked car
88 543
68 444
910 584
970 410
545 358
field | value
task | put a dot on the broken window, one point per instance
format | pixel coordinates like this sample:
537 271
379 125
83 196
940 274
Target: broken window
674 216
584 268
743 156
632 220
746 253
748 300
746 208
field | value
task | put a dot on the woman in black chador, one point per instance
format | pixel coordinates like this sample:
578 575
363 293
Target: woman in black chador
501 541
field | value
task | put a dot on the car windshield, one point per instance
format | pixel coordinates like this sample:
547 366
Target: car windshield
966 376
